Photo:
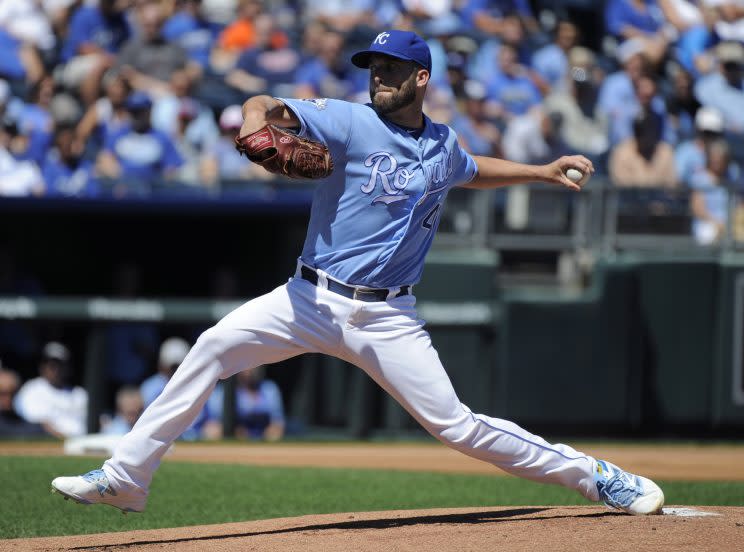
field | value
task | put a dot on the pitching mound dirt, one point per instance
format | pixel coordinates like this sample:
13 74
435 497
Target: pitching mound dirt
514 529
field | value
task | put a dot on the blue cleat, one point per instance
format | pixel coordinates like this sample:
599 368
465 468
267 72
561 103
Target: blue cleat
625 491
95 488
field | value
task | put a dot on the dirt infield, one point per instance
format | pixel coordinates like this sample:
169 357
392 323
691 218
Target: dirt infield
466 529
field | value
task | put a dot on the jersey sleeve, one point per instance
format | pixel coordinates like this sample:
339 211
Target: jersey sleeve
464 168
325 120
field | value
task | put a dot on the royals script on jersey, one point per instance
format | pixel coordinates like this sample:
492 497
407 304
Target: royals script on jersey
373 219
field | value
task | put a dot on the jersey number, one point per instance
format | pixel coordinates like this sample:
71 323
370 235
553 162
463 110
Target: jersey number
431 218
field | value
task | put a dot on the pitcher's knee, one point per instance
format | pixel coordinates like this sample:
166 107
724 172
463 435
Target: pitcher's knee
210 341
227 349
211 346
456 434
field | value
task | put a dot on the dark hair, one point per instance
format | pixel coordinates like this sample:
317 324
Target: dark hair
566 21
647 124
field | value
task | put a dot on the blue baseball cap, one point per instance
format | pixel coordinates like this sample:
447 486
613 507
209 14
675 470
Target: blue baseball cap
138 100
398 44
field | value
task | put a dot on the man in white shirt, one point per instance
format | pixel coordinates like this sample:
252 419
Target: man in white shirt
48 400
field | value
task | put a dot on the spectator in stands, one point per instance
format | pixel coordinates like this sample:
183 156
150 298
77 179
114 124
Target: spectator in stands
129 408
239 35
624 94
710 196
26 41
534 138
431 17
312 36
35 120
220 161
50 399
640 20
66 172
456 62
190 29
693 36
26 21
728 19
17 177
148 62
487 17
724 89
195 134
94 36
484 63
551 61
65 110
690 156
644 160
258 404
138 155
108 115
20 62
11 424
189 122
343 15
172 352
511 92
582 130
329 74
478 134
270 67
681 103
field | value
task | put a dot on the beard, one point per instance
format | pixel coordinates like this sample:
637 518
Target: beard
395 100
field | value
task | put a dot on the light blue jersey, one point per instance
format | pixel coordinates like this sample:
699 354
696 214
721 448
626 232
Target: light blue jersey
373 219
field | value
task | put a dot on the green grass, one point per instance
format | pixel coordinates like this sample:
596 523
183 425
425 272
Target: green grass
191 494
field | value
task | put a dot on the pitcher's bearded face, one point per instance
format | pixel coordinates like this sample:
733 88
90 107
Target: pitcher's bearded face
392 83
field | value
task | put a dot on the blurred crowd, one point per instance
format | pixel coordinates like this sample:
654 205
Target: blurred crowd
114 96
50 403
44 386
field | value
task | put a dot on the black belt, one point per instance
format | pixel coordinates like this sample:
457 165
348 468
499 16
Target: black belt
360 294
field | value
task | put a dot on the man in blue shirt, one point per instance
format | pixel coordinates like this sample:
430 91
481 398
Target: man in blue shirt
643 21
66 173
259 410
93 38
511 92
192 31
621 97
724 89
371 224
137 154
551 61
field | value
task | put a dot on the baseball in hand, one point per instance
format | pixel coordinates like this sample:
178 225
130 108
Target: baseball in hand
575 175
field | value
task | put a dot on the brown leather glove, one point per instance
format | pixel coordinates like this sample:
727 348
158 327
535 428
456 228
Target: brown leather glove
284 153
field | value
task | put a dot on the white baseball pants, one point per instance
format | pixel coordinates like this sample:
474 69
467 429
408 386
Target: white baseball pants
385 339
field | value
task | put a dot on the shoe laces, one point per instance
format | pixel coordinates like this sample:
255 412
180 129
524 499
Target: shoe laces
620 490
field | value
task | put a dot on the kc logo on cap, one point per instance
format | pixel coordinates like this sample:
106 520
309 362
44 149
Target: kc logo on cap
381 38
398 44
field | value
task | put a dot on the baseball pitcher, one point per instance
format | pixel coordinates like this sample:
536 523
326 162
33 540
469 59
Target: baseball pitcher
382 172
